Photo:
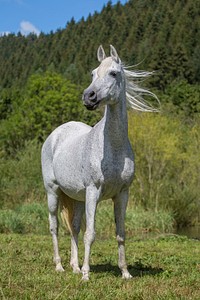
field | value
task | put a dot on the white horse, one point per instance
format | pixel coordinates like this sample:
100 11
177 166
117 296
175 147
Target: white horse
83 165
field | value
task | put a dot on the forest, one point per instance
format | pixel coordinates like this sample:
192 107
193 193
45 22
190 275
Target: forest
41 83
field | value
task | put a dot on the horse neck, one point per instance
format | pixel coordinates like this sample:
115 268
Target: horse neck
116 123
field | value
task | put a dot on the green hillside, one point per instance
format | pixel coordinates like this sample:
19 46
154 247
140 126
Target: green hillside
163 34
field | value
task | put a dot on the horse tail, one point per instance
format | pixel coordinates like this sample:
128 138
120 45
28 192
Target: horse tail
67 211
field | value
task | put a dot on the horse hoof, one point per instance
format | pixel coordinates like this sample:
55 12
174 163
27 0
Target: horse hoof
127 275
76 270
85 276
59 268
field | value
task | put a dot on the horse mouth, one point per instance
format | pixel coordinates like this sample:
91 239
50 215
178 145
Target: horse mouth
92 106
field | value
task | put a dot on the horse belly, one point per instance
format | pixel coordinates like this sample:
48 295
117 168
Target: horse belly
68 171
70 182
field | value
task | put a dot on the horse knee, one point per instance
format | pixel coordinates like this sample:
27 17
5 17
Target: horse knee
76 230
53 224
54 231
77 217
89 237
120 239
76 226
52 204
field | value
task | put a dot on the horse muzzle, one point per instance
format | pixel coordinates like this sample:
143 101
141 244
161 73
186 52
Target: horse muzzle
90 99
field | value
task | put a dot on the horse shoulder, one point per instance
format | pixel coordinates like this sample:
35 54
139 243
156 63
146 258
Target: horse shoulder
67 133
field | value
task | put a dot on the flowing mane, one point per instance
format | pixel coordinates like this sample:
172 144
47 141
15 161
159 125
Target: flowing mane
134 93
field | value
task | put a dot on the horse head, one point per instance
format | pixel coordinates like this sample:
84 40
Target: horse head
107 80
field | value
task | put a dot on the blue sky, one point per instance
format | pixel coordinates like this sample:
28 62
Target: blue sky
44 15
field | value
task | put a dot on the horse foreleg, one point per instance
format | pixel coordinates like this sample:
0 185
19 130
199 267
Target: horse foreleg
89 236
120 204
53 222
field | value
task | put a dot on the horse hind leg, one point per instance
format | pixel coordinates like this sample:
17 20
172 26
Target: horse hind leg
120 204
71 214
53 222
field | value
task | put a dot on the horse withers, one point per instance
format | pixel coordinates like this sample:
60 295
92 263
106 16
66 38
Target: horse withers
83 165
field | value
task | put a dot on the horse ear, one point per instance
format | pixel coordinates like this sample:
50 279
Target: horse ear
114 54
101 54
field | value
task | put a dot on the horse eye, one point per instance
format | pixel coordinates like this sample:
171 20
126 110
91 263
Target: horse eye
113 73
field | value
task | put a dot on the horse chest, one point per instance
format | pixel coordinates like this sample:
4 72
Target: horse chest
119 170
115 173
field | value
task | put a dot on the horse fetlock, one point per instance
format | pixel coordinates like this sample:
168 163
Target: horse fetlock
75 267
57 260
122 266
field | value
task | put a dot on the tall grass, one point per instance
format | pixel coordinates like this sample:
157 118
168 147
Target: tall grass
26 218
138 220
33 218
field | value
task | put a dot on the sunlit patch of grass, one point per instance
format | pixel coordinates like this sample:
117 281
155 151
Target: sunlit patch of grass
162 268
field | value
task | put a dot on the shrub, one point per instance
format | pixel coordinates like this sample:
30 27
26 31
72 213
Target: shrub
22 179
167 165
48 101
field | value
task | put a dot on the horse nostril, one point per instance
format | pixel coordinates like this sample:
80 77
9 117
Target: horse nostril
92 96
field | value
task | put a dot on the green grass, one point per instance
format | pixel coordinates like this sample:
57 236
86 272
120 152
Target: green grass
164 267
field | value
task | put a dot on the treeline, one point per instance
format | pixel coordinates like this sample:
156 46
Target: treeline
164 35
42 79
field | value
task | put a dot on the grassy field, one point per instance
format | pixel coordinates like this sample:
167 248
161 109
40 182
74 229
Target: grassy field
163 267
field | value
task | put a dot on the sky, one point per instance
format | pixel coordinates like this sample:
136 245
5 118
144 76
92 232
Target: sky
28 16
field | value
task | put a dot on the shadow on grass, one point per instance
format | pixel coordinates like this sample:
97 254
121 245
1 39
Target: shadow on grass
136 270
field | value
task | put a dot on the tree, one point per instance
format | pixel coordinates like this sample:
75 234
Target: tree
49 101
